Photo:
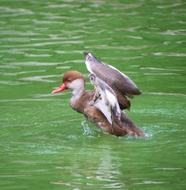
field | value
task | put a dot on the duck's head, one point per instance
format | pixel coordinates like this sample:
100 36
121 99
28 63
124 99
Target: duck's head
71 80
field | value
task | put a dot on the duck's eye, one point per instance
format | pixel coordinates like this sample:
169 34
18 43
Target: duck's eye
69 80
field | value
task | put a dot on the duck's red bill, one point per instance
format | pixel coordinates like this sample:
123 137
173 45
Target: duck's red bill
60 88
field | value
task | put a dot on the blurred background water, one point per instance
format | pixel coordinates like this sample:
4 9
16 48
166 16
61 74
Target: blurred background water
43 142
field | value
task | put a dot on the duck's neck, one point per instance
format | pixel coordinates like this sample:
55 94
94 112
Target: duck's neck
77 91
76 94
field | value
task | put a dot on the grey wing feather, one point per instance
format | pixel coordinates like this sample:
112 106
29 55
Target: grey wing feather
109 104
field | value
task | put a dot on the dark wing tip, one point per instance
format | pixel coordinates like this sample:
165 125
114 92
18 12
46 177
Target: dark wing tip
137 92
85 53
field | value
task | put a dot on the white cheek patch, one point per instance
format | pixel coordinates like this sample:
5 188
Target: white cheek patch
76 84
77 87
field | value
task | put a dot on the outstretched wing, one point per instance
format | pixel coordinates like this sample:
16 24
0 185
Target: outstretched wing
105 99
112 76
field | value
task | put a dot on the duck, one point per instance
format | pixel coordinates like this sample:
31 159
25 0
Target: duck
99 105
122 85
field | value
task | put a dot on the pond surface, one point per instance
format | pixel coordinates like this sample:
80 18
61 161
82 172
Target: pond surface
44 144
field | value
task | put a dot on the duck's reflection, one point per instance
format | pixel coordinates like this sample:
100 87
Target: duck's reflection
95 165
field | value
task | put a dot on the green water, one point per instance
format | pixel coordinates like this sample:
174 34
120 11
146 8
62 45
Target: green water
44 144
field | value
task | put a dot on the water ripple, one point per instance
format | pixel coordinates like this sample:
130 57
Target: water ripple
172 54
35 63
118 47
169 6
44 44
12 82
19 11
37 55
39 78
21 72
165 94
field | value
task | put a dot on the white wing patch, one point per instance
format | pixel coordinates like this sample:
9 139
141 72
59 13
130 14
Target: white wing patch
105 99
110 98
104 109
88 66
87 63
